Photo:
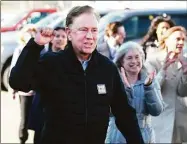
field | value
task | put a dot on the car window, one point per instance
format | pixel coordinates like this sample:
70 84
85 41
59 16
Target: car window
49 19
137 26
130 25
180 19
111 17
143 25
38 17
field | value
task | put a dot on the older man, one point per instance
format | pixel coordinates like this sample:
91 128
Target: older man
78 85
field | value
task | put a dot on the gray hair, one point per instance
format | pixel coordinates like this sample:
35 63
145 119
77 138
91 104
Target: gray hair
77 11
124 49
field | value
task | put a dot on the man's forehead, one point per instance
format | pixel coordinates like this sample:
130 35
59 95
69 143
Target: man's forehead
88 20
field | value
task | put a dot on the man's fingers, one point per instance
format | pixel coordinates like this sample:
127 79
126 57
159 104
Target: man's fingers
46 32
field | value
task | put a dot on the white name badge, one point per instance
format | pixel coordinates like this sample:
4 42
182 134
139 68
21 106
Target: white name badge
101 89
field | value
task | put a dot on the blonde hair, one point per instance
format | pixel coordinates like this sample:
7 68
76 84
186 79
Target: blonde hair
168 33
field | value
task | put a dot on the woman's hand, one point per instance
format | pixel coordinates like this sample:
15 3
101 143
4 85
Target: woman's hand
183 62
122 71
149 78
170 59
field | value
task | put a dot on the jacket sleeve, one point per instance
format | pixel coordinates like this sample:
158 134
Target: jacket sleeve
15 56
153 98
126 120
22 74
182 86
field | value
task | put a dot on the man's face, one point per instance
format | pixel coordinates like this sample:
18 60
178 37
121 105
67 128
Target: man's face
60 40
83 33
120 36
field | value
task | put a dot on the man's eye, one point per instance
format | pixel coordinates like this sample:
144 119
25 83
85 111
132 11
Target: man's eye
94 30
137 57
57 36
82 29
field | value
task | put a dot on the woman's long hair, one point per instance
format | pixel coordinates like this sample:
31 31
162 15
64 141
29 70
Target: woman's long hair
151 34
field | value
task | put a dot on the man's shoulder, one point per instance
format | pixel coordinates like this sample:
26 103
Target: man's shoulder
50 56
105 61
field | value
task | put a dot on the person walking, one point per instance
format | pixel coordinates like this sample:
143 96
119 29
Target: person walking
78 86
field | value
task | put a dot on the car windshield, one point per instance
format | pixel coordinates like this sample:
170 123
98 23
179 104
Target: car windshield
49 19
111 17
14 20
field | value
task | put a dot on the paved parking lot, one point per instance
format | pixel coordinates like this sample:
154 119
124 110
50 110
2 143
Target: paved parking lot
10 117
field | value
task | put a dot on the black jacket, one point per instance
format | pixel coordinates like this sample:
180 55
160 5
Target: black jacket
75 111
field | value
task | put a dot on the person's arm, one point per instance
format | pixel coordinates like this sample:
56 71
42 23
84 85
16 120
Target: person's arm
21 76
27 73
15 56
125 115
182 85
160 74
153 98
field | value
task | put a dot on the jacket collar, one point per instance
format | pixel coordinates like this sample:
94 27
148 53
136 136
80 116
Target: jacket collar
73 64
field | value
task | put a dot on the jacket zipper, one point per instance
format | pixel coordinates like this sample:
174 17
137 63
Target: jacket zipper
86 104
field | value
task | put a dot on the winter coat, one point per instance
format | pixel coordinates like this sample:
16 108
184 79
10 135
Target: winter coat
76 102
173 88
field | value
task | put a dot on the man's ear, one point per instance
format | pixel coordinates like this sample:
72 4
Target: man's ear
68 32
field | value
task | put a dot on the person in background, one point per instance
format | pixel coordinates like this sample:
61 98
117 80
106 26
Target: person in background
24 97
78 86
60 40
142 89
159 25
170 69
36 120
114 37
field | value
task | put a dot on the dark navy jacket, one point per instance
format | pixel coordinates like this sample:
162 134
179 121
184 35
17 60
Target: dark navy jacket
77 102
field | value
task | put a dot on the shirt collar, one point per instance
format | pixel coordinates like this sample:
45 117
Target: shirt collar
85 63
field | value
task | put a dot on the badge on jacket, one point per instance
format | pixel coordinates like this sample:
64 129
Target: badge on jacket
101 89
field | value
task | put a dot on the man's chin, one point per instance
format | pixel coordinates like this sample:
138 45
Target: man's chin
87 52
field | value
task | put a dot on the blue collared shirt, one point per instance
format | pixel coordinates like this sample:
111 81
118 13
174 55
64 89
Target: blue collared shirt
85 63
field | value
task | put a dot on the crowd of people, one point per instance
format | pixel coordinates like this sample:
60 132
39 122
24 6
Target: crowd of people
74 90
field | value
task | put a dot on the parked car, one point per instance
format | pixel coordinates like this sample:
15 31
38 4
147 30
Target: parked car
25 17
137 22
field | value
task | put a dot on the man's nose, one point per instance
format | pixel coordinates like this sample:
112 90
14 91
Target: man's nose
89 34
181 41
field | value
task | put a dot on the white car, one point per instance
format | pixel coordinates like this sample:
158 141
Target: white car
8 44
